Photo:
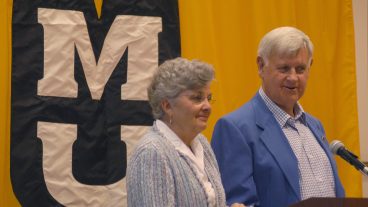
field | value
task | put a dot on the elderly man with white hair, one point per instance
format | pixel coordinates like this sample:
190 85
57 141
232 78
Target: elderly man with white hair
270 152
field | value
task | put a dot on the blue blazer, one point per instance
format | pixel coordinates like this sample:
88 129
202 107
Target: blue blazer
256 162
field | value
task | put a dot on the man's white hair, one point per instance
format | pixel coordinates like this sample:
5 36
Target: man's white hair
284 41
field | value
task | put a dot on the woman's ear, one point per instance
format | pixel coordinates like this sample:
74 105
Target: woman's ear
166 106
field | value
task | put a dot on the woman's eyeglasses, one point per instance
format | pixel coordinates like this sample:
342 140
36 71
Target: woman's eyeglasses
200 98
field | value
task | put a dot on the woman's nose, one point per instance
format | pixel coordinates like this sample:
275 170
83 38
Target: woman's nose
206 104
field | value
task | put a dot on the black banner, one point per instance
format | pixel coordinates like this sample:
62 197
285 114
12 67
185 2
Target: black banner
78 94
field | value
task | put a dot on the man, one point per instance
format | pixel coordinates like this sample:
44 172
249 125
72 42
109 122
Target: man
270 152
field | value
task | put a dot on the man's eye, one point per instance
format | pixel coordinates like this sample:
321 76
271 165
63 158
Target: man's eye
300 70
283 69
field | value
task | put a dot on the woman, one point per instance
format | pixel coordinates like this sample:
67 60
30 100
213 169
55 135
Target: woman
173 165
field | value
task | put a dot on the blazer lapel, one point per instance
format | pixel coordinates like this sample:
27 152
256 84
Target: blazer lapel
319 136
276 142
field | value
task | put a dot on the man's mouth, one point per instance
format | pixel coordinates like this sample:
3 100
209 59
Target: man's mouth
290 87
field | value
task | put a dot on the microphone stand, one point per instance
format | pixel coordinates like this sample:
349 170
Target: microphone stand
362 166
365 169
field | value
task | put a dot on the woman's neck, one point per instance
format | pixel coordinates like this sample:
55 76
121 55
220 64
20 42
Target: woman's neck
186 137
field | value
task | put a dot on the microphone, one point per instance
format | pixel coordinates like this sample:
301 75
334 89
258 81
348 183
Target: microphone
338 148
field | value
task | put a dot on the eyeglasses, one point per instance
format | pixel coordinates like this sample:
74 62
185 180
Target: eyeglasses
200 98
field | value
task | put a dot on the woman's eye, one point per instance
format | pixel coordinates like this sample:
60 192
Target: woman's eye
198 98
209 98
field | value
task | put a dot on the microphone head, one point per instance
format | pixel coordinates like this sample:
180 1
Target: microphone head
335 145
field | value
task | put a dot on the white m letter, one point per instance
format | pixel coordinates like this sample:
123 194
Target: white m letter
64 30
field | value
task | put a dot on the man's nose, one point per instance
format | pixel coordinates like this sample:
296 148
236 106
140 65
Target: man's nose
292 75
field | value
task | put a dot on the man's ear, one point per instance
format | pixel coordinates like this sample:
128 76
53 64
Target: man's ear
311 62
260 64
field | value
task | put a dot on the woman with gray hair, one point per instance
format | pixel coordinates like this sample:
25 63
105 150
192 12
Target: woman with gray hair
173 164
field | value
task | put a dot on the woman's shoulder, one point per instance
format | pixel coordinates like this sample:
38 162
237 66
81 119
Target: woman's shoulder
203 139
150 144
205 143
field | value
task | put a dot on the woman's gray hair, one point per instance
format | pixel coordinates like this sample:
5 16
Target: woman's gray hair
284 41
175 76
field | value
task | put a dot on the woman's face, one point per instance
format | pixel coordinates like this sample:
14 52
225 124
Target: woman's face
190 111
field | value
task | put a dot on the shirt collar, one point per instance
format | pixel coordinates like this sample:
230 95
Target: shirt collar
281 116
194 153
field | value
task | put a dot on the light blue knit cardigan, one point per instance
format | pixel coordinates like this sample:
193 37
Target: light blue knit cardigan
159 175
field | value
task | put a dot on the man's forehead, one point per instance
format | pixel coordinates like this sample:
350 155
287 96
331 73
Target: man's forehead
288 54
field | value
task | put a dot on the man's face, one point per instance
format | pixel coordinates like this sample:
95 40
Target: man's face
284 78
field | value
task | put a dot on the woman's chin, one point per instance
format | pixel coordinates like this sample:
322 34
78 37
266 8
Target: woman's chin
202 126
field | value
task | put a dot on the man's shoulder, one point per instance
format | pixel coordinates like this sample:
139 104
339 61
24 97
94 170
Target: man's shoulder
310 118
